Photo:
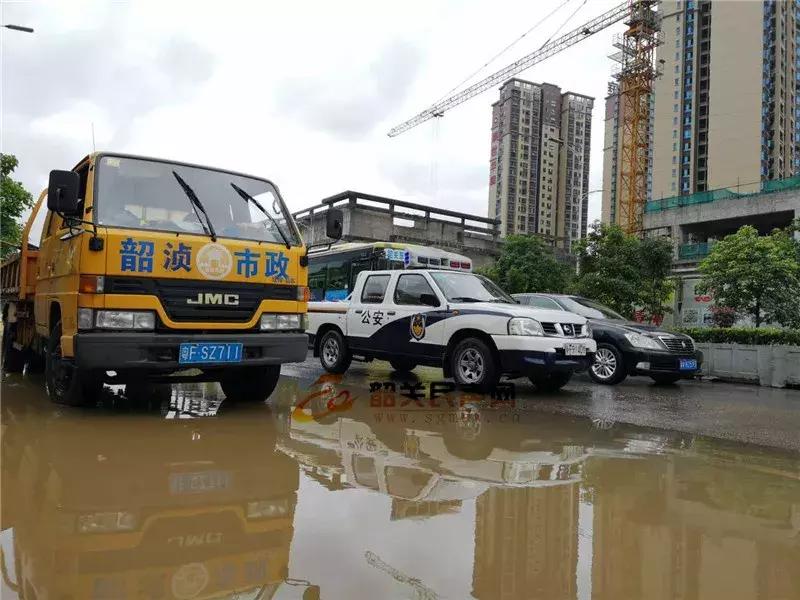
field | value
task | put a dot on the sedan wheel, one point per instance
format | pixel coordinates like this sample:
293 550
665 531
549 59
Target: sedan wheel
608 366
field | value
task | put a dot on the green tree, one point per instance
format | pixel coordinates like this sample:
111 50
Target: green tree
655 265
15 199
527 264
756 276
609 268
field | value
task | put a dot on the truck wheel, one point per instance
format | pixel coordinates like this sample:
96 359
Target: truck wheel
551 382
402 364
334 355
609 366
66 384
13 359
472 364
255 384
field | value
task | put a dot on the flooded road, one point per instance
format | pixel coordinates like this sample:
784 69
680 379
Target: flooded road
336 490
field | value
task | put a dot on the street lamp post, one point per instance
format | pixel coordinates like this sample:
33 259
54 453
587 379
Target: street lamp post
19 28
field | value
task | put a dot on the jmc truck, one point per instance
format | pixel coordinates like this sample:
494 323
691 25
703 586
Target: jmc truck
147 267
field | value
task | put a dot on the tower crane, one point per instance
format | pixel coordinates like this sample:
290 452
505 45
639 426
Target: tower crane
420 591
636 84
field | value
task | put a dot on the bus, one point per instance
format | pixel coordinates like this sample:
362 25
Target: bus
332 271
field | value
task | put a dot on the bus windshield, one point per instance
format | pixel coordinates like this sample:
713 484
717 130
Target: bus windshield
148 194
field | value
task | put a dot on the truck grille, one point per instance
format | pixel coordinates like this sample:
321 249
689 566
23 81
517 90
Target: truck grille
173 294
678 345
562 329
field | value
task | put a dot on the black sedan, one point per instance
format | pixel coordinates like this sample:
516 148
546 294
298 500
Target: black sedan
626 347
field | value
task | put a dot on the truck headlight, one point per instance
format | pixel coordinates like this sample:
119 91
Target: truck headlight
282 322
105 522
126 319
642 341
524 326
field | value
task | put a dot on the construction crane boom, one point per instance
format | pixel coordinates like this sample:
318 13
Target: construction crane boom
552 47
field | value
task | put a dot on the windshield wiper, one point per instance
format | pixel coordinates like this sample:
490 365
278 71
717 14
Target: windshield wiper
466 299
196 204
248 198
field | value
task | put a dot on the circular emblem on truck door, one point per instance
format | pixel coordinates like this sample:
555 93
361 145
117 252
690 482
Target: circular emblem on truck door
214 261
418 326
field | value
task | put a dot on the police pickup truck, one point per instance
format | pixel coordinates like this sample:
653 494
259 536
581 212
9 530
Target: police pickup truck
461 322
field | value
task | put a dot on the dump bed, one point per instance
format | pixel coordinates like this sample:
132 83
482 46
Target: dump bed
18 274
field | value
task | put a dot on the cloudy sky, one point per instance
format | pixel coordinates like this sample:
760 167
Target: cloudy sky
300 92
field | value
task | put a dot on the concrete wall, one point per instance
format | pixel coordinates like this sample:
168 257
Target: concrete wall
734 133
774 366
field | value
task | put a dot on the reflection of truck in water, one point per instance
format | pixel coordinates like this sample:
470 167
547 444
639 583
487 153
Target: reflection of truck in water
147 267
200 508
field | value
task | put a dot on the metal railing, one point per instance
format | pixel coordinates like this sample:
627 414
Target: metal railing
690 251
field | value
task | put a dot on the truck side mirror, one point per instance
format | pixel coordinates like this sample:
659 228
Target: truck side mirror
334 223
429 299
62 192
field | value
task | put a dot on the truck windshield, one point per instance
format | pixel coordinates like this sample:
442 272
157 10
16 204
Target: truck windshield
468 287
145 194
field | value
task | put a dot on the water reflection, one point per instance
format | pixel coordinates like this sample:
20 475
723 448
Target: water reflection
324 492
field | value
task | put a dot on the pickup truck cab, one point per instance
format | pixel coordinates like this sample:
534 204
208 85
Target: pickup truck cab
461 322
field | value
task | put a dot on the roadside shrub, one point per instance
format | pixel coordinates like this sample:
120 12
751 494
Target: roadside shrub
723 316
745 335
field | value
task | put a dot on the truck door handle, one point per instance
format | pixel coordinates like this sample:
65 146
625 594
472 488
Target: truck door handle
390 312
358 312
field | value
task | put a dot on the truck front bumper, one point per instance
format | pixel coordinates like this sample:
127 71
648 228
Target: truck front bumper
159 351
531 354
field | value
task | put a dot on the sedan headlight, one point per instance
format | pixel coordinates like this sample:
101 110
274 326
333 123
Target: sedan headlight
642 341
282 322
125 319
105 522
524 326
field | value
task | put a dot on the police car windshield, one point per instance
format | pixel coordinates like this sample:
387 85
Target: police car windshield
468 287
144 194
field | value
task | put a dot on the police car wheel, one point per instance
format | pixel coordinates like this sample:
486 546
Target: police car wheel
551 382
334 355
403 365
472 364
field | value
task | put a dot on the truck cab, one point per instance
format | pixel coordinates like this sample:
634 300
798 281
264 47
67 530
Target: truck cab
147 267
456 320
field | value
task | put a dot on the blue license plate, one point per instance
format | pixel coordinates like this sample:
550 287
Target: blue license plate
210 352
688 364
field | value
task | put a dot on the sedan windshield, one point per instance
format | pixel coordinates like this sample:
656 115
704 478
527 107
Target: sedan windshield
468 287
145 194
588 308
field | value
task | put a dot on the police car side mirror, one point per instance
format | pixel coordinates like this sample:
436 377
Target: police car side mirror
429 299
62 193
334 223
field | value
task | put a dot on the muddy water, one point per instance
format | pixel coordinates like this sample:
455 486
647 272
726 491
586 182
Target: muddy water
336 492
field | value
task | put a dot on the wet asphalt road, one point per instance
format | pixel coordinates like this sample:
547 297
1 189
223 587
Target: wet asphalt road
744 413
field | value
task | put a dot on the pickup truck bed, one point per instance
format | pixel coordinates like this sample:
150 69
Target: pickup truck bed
426 317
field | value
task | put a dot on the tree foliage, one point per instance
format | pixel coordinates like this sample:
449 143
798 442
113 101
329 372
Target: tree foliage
756 276
14 201
624 272
527 264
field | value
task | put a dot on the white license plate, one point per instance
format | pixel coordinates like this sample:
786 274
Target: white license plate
574 350
197 483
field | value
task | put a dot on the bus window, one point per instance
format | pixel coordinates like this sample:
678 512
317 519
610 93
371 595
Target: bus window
316 280
337 281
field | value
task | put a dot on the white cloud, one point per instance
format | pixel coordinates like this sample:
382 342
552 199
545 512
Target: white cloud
302 93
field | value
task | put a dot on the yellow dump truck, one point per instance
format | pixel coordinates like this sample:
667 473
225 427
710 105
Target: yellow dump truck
147 268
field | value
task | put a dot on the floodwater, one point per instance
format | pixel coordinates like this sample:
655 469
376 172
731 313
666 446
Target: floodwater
338 492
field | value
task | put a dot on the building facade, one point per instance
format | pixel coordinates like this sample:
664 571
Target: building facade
539 164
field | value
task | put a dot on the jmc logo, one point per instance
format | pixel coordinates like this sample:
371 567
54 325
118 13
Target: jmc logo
213 298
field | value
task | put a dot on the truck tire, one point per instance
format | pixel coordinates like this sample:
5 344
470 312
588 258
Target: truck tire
334 355
609 365
403 365
551 382
66 384
13 359
254 384
473 365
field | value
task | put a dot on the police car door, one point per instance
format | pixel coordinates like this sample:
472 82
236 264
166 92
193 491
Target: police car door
367 312
419 310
